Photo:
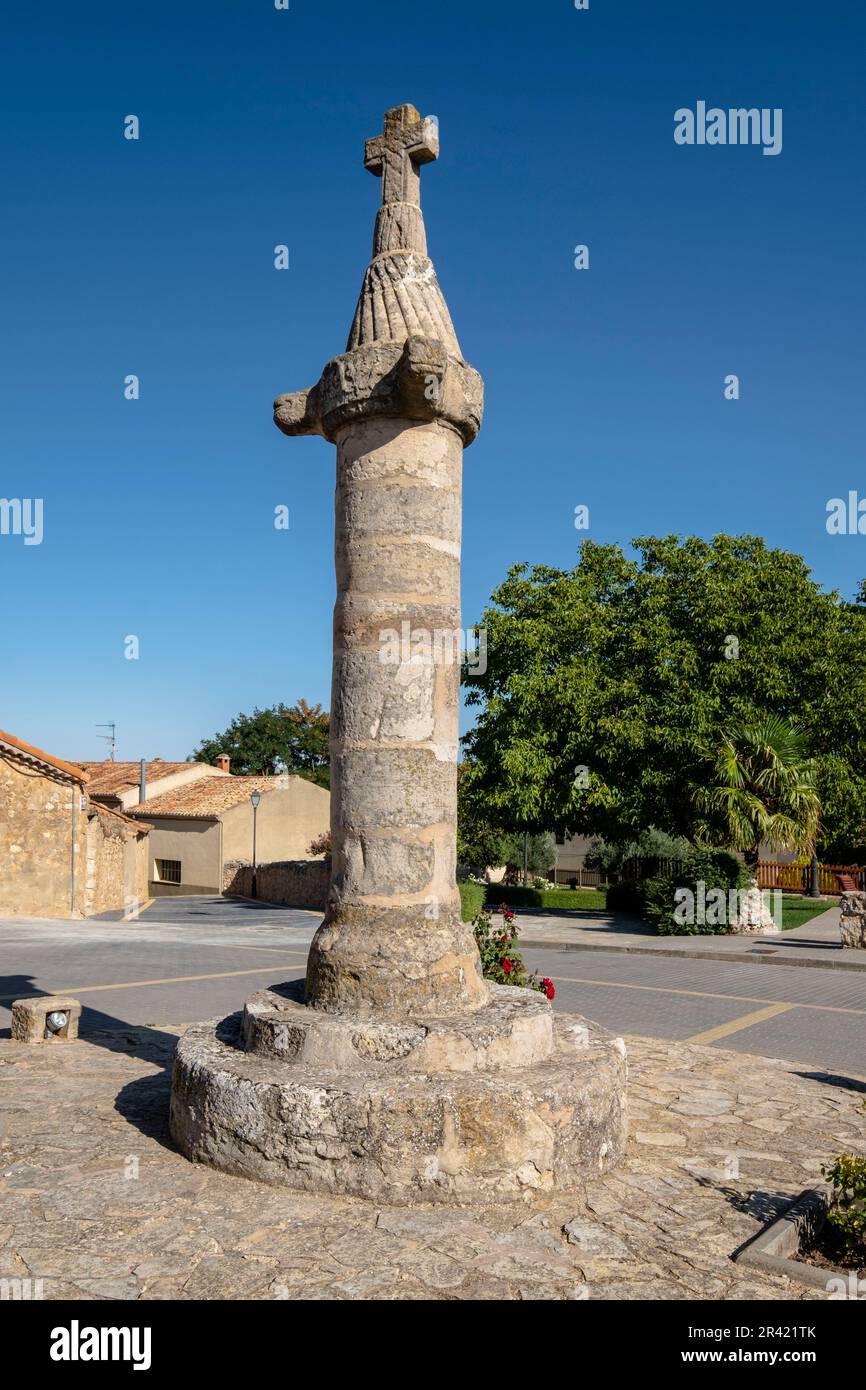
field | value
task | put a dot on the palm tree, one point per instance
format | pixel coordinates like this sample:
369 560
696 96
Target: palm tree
763 789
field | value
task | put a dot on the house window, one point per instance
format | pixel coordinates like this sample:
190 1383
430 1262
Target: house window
168 870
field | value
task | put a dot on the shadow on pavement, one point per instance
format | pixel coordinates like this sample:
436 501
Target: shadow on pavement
846 1083
96 1027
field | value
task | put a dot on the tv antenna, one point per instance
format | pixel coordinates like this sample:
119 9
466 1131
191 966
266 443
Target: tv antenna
110 738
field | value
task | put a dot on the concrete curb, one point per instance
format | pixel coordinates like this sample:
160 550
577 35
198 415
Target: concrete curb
731 957
774 1248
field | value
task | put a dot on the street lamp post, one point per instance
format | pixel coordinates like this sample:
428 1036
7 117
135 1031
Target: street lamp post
815 891
255 799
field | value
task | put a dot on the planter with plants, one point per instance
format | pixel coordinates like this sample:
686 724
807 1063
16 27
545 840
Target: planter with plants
821 1239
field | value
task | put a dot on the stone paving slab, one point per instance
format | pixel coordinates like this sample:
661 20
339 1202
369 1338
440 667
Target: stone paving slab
95 1201
816 944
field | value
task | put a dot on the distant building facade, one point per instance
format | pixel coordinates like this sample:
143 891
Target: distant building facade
61 853
206 824
571 852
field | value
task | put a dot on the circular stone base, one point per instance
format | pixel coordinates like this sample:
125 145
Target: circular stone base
382 1130
515 1029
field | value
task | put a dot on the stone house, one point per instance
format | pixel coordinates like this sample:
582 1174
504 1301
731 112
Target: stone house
61 853
202 827
116 863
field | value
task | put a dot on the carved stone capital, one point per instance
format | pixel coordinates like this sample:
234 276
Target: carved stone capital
416 380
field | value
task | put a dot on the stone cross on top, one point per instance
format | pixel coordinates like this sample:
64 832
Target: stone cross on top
408 142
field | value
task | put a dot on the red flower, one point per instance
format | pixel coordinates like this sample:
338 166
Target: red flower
507 967
548 989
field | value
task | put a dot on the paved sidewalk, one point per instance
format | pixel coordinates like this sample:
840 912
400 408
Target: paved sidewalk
815 944
96 1202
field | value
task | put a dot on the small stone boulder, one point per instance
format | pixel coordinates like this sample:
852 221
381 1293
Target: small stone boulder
46 1018
852 924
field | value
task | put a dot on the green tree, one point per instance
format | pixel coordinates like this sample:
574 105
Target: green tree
763 790
290 738
540 853
606 685
480 844
649 844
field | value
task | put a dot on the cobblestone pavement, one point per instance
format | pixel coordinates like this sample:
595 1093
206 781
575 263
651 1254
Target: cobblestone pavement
96 1203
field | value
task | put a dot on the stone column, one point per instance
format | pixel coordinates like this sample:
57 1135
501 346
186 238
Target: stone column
400 406
393 940
400 1074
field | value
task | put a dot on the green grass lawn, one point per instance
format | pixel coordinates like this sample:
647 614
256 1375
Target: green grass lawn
577 899
797 910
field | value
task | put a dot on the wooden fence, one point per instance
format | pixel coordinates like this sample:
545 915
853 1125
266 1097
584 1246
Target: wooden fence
797 878
791 878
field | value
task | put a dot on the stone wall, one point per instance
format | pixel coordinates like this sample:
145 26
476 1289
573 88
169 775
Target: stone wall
295 882
36 848
36 841
116 865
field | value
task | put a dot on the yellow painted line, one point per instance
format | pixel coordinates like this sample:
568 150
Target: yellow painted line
237 946
137 911
240 946
169 980
724 1030
704 994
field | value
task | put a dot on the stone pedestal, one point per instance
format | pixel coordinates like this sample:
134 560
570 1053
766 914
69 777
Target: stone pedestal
506 1101
398 1071
852 923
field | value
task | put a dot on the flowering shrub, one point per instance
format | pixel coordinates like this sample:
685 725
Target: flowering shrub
321 845
501 961
848 1210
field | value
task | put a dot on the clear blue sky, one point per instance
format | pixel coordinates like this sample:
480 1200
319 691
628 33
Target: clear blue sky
603 387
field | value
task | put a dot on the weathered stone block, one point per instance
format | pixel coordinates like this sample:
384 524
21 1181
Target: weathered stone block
376 699
30 1019
852 923
376 865
402 960
393 787
421 566
399 450
399 510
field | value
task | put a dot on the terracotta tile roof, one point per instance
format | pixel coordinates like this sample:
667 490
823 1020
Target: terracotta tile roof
106 777
208 797
75 771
